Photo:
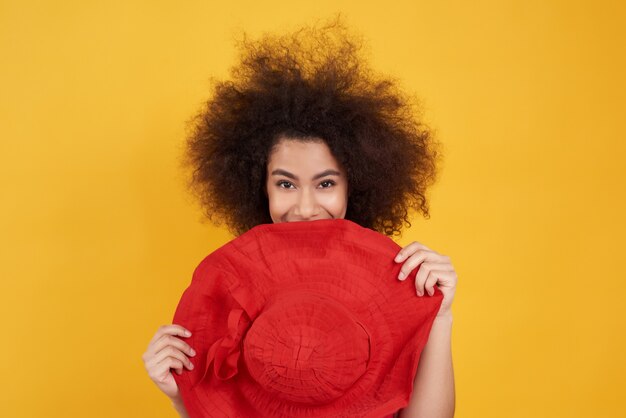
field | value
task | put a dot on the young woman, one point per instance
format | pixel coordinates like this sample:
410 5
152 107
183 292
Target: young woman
305 131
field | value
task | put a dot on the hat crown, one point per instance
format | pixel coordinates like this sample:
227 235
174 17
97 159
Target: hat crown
306 347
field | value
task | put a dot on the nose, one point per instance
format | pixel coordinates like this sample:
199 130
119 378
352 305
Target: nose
307 206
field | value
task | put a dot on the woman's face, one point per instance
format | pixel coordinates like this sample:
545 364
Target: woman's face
305 182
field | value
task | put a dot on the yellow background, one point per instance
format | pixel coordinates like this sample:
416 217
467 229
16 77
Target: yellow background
99 238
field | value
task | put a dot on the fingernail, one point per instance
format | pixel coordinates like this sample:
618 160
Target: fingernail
193 352
187 333
191 365
398 258
419 293
401 275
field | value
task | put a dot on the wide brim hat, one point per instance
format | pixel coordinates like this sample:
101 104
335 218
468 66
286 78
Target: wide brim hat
303 319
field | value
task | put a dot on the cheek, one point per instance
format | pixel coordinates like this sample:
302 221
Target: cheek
337 202
278 203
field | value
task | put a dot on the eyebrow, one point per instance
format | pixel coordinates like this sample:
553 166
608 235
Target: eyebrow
324 173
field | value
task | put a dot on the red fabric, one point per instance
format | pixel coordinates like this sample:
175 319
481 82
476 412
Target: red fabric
303 319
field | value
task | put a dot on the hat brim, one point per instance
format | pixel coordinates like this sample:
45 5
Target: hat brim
336 257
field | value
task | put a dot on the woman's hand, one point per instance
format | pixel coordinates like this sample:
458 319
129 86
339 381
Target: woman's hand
166 351
434 268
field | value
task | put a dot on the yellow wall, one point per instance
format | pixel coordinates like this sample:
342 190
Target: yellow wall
99 238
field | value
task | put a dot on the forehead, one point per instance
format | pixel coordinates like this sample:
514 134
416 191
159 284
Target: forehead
302 155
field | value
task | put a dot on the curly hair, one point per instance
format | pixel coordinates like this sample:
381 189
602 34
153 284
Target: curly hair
307 84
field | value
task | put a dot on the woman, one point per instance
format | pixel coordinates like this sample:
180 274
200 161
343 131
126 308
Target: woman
306 131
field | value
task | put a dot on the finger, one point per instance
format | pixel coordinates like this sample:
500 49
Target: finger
441 278
175 342
431 281
170 330
420 278
410 249
411 264
423 273
160 371
172 352
416 259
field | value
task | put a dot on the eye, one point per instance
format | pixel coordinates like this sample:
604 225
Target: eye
280 183
330 183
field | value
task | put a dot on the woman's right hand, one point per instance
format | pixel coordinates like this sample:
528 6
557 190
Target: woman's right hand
166 351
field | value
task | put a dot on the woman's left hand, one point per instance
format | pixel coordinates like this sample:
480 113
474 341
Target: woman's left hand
434 269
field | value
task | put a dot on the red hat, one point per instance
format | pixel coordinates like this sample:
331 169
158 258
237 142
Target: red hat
303 319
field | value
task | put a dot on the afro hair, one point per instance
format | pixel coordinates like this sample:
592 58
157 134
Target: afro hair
307 84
